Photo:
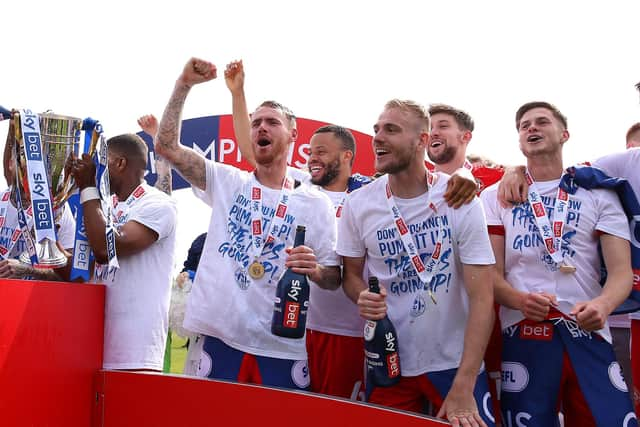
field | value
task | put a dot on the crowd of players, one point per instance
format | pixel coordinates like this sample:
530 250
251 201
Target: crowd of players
500 302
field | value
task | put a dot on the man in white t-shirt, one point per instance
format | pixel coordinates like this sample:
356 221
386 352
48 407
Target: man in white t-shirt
399 224
254 216
557 345
334 327
138 292
514 188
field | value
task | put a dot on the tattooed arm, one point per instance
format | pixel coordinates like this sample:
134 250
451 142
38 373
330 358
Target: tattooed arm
149 124
167 143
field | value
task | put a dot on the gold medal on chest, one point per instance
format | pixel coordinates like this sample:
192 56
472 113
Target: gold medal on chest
256 270
566 268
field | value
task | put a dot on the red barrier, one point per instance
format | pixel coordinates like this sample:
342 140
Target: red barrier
51 338
128 399
50 348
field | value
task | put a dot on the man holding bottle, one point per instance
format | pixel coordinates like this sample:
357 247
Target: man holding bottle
252 226
434 266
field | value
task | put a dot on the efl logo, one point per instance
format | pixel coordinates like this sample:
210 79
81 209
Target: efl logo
536 331
257 228
636 279
282 209
562 195
549 244
138 193
3 250
339 212
436 251
557 229
256 194
538 209
418 263
402 227
515 377
393 365
291 313
16 234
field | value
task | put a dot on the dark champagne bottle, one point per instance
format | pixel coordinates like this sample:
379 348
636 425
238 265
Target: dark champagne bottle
381 347
292 300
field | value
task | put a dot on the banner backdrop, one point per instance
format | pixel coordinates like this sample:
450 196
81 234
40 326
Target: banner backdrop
213 136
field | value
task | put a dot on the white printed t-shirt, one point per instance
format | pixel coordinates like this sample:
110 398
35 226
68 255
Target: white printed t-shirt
225 302
65 233
430 337
528 266
623 165
332 312
138 293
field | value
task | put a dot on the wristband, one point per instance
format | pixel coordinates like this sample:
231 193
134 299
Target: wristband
89 193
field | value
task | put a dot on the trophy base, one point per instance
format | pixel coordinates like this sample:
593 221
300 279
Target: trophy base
49 255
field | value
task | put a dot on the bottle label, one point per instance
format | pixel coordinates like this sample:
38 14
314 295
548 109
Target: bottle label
291 314
369 330
393 365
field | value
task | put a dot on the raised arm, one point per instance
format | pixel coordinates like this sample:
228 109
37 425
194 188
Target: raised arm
234 78
149 124
167 143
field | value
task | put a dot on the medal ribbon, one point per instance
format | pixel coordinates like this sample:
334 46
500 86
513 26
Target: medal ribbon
552 235
257 241
16 231
424 272
82 253
24 227
122 209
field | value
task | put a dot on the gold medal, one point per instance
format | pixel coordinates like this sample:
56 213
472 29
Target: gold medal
256 270
567 268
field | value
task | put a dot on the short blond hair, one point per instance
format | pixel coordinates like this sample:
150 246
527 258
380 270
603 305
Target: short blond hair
418 110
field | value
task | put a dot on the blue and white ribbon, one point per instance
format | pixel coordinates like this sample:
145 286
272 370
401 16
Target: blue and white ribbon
82 254
37 177
104 188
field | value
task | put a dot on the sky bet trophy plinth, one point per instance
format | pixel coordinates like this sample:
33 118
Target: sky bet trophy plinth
44 142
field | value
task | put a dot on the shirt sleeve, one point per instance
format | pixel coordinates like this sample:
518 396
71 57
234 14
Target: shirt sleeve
619 165
492 209
324 232
218 175
472 237
67 230
157 215
350 242
611 217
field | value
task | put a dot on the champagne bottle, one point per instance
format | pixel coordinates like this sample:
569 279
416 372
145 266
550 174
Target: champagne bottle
381 347
292 300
